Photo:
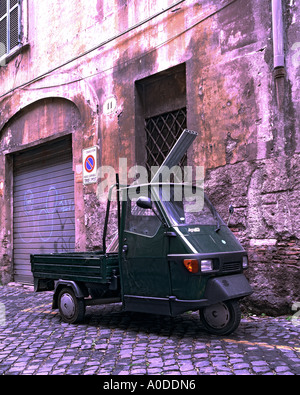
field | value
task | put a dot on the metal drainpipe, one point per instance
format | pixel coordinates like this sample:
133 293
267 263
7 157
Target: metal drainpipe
278 45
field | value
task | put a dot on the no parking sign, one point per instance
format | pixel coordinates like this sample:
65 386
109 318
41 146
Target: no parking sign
89 159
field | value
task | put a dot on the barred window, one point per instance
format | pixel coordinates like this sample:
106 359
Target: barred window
162 133
9 25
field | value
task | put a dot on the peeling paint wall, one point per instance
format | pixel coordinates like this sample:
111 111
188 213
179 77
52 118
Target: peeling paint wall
248 123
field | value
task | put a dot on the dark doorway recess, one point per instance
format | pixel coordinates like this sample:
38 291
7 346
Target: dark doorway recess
161 115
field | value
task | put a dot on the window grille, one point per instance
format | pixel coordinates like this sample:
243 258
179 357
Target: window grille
9 25
162 133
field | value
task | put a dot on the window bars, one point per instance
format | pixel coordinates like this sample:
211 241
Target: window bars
162 132
9 25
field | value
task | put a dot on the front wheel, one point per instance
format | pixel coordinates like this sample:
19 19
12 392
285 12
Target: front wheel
71 309
222 318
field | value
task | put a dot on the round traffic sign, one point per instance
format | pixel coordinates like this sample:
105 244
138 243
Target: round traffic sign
90 163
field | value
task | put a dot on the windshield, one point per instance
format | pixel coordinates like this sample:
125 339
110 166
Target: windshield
187 205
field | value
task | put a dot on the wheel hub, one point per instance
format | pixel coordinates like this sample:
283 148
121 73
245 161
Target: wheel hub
67 305
217 316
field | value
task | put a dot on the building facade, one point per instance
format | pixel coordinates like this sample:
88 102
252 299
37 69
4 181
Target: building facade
123 78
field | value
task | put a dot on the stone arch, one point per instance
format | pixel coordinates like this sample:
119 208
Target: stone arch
61 86
39 121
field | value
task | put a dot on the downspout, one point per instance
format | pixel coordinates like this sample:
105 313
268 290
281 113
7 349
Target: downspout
278 46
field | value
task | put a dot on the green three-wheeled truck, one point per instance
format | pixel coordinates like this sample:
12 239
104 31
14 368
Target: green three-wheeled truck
167 257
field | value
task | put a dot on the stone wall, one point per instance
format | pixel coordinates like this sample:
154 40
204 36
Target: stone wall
266 221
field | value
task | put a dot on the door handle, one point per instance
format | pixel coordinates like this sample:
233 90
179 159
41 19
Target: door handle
125 248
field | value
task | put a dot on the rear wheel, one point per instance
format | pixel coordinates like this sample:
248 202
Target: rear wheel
71 309
222 318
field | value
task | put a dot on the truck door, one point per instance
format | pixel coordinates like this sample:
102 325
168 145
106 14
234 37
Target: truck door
144 261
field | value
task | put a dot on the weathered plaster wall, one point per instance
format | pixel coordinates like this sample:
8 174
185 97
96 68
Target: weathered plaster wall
260 177
248 144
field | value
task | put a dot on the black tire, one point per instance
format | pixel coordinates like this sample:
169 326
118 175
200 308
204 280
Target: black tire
72 309
221 319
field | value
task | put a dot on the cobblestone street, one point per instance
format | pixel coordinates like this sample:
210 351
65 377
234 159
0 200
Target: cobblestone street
34 341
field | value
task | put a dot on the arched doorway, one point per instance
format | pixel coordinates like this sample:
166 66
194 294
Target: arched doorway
42 181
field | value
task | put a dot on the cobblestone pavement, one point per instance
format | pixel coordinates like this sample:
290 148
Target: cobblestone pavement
34 341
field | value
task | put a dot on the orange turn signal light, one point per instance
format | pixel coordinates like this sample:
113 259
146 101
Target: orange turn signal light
192 265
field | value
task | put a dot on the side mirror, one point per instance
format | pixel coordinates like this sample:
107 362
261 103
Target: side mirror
144 203
231 211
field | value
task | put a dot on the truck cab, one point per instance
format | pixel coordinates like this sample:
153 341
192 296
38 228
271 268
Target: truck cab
177 254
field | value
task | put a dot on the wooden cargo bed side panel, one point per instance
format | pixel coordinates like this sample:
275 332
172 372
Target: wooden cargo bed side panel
74 268
111 266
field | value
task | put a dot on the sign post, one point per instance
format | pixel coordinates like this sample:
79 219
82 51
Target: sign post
89 160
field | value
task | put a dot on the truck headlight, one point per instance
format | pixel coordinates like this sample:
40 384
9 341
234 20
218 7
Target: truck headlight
245 262
207 265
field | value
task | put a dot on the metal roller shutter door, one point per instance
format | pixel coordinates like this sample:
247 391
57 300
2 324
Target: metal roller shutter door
43 207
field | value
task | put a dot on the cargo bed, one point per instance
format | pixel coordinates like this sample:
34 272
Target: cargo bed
91 267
